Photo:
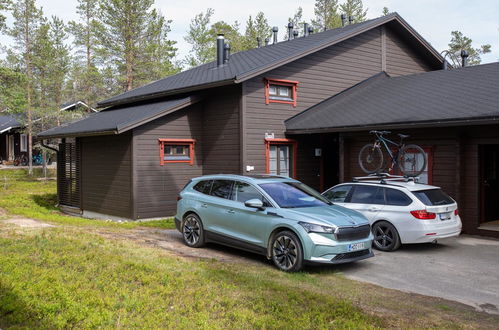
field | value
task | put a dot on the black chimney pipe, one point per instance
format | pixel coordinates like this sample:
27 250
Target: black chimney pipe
258 42
305 29
464 57
343 19
295 34
267 40
350 19
310 30
290 30
275 29
226 53
220 49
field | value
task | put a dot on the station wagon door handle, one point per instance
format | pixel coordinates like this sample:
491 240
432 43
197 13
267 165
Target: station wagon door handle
231 211
373 209
204 205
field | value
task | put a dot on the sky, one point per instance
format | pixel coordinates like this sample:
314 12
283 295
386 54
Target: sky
434 20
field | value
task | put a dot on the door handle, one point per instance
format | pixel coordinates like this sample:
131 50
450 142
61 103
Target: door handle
204 205
231 211
372 209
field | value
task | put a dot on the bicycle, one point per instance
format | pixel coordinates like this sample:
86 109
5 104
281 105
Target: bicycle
21 160
37 160
410 158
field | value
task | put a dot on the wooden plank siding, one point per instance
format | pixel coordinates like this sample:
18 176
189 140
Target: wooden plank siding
106 173
156 186
320 76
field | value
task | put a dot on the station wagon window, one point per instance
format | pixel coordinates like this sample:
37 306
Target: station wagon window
243 192
203 186
397 197
280 91
338 194
176 151
221 188
367 195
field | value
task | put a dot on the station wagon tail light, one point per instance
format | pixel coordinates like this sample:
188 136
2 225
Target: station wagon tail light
423 215
456 212
313 228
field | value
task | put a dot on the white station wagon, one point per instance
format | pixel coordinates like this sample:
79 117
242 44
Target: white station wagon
400 211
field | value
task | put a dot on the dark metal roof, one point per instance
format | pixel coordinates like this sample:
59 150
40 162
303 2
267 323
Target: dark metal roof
452 97
8 122
119 119
247 64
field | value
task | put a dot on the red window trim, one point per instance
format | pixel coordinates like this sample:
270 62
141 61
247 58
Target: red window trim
178 142
429 152
281 82
291 142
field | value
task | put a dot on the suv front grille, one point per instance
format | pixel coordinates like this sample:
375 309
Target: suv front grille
352 233
350 255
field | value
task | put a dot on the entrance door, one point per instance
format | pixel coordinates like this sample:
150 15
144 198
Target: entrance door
280 159
490 183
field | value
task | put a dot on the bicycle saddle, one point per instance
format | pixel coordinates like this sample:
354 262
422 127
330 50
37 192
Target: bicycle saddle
403 136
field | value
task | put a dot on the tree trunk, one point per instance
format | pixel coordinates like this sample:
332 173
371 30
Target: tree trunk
28 86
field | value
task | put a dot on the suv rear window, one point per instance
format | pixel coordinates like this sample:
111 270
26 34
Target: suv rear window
222 188
433 197
203 186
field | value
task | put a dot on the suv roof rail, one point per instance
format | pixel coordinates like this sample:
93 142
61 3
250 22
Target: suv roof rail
386 177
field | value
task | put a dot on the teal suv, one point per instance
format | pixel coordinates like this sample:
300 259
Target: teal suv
278 217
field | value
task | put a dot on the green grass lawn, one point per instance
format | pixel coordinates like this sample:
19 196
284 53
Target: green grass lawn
72 276
37 199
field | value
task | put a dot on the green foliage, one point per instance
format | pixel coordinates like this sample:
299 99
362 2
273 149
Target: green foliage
4 6
326 15
256 28
461 42
134 41
385 11
200 38
12 91
354 8
297 21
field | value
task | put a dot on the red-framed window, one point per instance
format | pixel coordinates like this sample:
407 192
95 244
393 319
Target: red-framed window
427 175
281 91
280 157
176 151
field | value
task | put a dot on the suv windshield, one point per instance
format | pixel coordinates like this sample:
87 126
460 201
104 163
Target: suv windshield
294 194
433 197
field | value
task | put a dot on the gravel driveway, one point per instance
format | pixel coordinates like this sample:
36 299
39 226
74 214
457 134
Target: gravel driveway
464 269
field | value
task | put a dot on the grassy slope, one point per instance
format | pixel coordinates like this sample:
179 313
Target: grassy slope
68 276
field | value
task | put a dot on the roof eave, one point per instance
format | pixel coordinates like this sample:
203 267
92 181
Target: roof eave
164 94
73 135
406 125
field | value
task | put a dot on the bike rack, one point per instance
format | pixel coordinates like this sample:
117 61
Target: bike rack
386 177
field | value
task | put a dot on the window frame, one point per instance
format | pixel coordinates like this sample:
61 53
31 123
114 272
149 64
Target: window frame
23 142
281 82
176 142
294 147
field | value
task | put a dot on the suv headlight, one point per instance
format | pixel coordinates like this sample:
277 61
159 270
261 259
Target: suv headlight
314 228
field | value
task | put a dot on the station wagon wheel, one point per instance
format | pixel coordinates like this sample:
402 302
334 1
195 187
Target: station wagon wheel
287 253
386 237
192 231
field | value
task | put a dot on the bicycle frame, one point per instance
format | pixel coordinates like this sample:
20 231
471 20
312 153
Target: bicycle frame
386 142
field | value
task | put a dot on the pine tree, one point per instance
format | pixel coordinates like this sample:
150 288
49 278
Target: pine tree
12 90
199 37
4 6
297 21
461 42
354 8
256 28
132 37
231 35
87 79
326 15
385 11
27 19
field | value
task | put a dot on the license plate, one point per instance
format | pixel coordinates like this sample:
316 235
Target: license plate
356 246
445 216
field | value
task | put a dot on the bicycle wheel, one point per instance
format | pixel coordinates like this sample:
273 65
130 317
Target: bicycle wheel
412 160
370 158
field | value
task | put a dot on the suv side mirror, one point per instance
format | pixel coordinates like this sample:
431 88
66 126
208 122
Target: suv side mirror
254 203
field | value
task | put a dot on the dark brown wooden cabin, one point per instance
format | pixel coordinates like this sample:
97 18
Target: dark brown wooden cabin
13 143
131 159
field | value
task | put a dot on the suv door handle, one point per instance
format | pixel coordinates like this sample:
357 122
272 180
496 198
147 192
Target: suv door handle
204 205
231 211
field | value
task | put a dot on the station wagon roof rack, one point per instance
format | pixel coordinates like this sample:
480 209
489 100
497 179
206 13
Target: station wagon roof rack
385 178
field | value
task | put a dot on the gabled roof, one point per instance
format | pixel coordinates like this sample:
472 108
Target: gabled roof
247 64
74 104
7 123
119 119
436 98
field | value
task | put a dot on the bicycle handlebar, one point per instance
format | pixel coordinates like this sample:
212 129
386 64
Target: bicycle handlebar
380 132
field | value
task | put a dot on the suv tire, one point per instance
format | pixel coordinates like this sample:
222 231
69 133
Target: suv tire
286 251
192 231
386 237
